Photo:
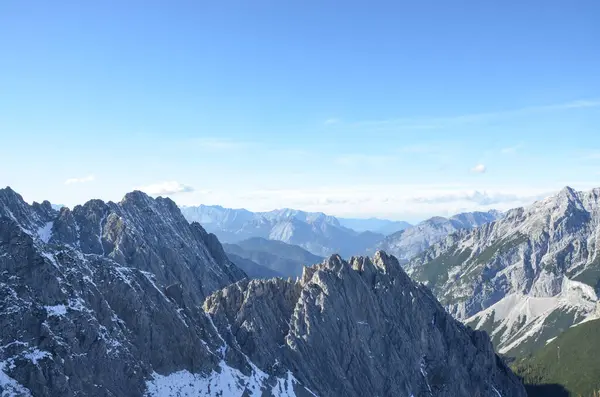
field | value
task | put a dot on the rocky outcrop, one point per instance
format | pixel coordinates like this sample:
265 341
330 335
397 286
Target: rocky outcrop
359 328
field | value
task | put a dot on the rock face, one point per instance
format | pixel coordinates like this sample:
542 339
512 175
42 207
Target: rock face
320 234
413 240
359 328
524 278
101 299
107 300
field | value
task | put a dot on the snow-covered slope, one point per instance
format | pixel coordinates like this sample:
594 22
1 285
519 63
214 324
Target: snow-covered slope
524 278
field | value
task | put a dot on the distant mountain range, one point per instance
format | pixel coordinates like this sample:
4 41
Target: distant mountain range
323 235
320 234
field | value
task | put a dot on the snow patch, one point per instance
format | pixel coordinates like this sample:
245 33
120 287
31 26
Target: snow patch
8 385
51 258
227 381
497 392
45 232
56 311
36 355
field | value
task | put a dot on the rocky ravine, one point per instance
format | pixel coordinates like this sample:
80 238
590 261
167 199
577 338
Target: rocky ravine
106 300
525 278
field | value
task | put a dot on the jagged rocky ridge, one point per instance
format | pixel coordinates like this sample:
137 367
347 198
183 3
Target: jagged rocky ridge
106 300
359 328
525 278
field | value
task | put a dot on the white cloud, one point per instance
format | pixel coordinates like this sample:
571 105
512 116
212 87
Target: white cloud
511 149
331 121
218 144
88 178
479 168
168 188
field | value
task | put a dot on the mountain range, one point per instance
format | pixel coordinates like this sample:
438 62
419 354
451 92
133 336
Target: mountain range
324 235
524 278
320 234
129 298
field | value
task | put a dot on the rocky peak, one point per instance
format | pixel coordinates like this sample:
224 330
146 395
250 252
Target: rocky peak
100 299
355 328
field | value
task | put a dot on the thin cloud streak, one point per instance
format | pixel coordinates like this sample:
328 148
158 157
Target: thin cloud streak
88 178
168 188
218 144
443 122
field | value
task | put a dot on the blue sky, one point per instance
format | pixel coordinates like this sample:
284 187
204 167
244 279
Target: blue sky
398 109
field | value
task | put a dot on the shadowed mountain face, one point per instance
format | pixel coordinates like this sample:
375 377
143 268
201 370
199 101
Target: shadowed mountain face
285 259
524 278
546 391
375 225
251 268
129 299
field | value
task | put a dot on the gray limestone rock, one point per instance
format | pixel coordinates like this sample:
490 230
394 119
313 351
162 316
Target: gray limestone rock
359 328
